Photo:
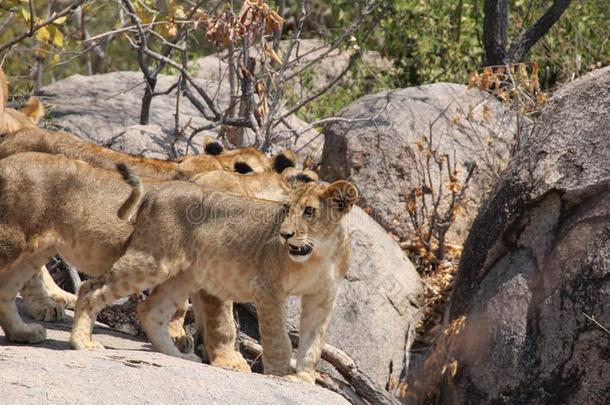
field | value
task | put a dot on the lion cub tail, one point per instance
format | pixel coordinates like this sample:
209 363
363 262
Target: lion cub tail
131 205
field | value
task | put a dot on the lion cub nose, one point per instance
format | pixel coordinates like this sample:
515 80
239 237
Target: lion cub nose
286 235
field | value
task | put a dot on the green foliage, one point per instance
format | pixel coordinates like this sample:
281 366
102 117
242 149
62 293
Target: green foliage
439 40
59 50
432 41
578 43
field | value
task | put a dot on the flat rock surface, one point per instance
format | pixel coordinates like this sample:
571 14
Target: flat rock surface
128 371
105 109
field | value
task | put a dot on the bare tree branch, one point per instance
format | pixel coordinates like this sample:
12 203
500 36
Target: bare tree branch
524 42
208 100
151 79
343 363
352 60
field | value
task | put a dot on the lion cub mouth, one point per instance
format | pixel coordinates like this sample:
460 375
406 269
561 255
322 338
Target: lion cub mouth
299 250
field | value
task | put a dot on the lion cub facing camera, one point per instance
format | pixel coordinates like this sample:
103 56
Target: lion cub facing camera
237 249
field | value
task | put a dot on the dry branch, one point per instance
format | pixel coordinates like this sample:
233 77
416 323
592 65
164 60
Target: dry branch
364 386
256 350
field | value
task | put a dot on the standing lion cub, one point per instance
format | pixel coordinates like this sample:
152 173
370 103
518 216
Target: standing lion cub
237 249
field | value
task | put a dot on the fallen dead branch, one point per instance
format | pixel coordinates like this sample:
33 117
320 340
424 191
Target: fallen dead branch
364 386
255 349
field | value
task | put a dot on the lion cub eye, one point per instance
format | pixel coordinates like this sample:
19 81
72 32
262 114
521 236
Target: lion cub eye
309 212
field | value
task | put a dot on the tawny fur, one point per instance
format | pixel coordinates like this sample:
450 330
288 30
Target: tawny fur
214 317
54 142
266 186
46 207
236 249
45 301
75 209
130 206
51 204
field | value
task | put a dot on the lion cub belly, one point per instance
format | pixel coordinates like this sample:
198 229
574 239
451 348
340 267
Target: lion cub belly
227 281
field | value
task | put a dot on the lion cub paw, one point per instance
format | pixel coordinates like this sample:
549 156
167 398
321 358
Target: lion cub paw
301 377
68 299
86 345
28 334
232 361
185 343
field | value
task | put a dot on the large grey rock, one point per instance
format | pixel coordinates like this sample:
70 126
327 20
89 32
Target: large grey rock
378 304
129 372
105 109
378 155
537 264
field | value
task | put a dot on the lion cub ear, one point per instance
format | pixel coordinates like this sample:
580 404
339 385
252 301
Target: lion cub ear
340 196
33 109
295 176
284 160
212 146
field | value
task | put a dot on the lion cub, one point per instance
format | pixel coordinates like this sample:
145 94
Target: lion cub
237 249
46 301
242 160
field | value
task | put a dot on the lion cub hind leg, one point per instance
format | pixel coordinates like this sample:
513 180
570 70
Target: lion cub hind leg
157 310
135 271
11 281
214 319
44 300
184 342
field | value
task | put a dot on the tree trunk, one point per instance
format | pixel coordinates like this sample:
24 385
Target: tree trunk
151 83
495 31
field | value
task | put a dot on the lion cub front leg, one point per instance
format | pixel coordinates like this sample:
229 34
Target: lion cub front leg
12 278
274 337
215 322
316 312
44 300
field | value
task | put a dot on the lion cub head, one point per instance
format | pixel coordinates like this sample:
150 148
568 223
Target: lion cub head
313 214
